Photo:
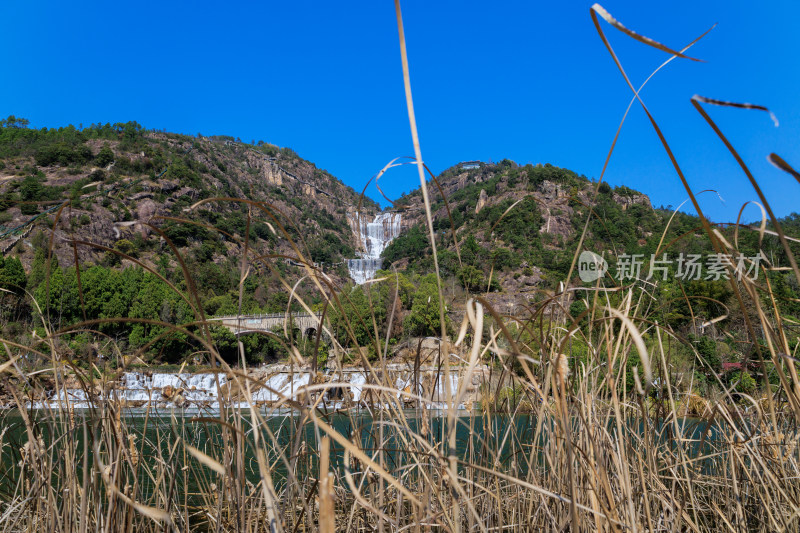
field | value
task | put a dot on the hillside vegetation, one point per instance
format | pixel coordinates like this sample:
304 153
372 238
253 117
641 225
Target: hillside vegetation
518 229
135 208
120 199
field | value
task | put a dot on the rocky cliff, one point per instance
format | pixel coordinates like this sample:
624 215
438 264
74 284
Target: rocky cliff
517 227
128 188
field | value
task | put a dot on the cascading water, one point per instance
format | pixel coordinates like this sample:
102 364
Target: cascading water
349 387
374 237
194 388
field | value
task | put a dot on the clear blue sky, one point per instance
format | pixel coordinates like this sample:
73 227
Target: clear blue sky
529 81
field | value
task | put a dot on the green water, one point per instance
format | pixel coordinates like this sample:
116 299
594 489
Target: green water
477 437
292 443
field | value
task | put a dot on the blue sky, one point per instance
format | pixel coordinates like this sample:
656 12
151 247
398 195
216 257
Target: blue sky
529 81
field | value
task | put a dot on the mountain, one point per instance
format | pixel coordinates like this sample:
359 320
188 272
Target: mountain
156 224
122 179
111 196
518 229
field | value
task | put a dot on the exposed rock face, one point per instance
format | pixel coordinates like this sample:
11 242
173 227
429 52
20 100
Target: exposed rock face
551 191
188 192
146 210
635 199
561 196
555 209
557 220
482 199
141 196
272 175
125 198
168 186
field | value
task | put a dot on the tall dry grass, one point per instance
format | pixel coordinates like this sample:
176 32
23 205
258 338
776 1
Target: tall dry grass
581 452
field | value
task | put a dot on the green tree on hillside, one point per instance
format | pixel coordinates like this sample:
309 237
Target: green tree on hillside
472 278
353 322
105 157
412 244
424 317
12 275
31 191
156 301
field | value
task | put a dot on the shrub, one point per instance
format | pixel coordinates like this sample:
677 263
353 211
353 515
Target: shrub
125 246
105 157
744 382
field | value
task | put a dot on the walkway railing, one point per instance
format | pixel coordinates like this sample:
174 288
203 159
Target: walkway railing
265 316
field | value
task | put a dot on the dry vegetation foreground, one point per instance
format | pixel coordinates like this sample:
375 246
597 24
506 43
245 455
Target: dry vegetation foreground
591 448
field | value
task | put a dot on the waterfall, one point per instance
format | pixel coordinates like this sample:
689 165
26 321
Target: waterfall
195 388
349 388
373 237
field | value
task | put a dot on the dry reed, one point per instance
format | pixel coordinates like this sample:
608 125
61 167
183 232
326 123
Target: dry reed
580 452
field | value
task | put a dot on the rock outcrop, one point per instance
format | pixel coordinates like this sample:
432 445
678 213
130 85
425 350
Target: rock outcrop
163 176
482 199
626 200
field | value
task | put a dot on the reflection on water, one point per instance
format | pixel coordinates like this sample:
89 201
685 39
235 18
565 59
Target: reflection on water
290 442
155 431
